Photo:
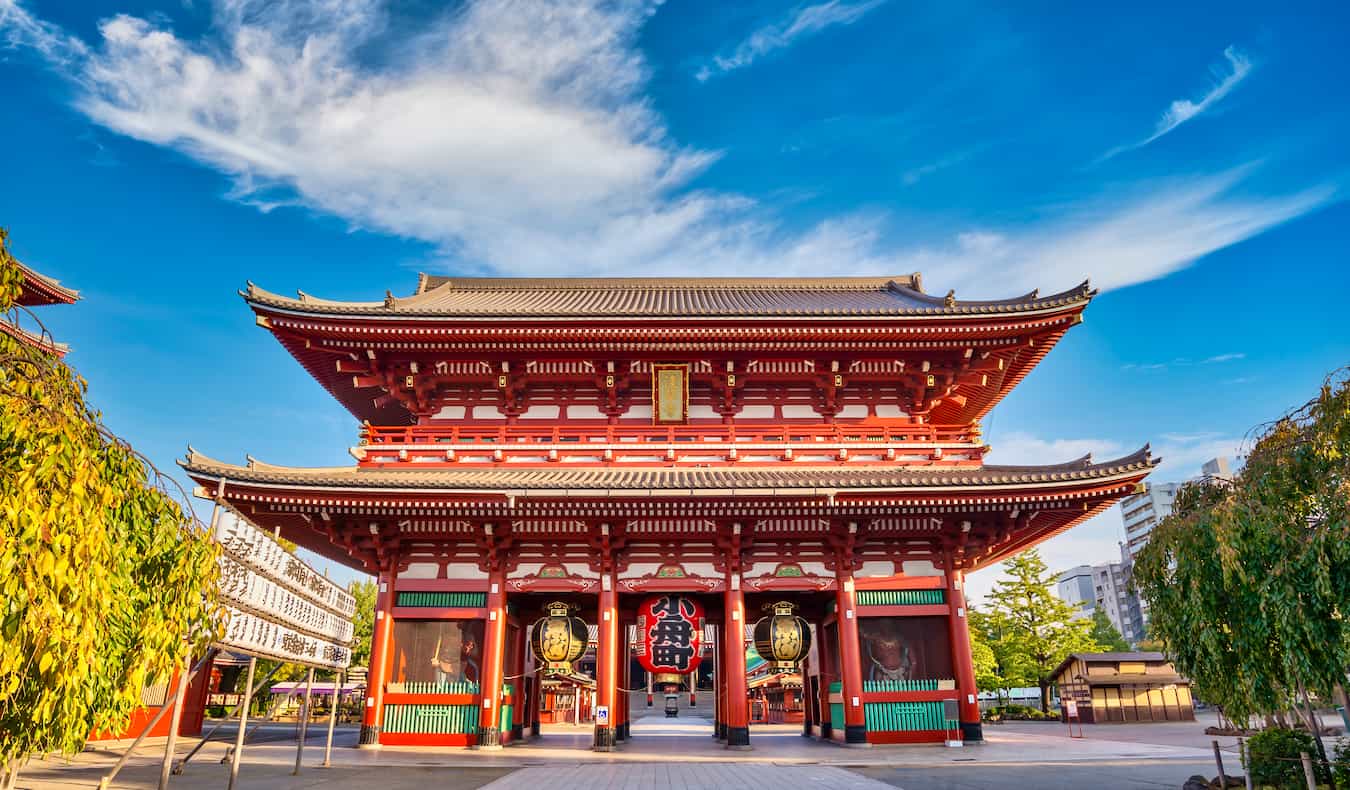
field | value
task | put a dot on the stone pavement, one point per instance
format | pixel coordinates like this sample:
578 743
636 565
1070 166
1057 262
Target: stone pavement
685 776
668 752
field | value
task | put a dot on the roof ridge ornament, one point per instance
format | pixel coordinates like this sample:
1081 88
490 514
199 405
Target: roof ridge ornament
950 300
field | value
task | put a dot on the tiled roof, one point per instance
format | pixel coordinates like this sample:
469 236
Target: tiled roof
769 480
704 297
39 289
41 342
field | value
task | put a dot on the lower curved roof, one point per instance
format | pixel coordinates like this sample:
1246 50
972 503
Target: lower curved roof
618 481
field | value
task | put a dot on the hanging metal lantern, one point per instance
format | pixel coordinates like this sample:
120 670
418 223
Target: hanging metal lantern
559 639
670 634
784 638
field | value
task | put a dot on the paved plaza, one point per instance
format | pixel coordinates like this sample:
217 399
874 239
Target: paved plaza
680 753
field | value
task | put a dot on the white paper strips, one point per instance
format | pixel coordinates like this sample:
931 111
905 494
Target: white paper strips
275 604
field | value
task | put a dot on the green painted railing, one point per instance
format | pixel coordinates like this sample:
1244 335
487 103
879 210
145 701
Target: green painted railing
901 597
459 687
506 718
900 685
442 599
431 719
904 716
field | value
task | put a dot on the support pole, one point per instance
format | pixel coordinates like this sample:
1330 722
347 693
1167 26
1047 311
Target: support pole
492 675
850 662
250 689
606 664
1218 761
1246 763
332 721
304 721
959 625
243 720
737 714
1308 774
176 718
372 718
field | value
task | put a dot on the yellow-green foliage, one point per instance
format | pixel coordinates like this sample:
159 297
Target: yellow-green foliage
105 582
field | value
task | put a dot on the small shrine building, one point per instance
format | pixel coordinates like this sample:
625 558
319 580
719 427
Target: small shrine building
740 442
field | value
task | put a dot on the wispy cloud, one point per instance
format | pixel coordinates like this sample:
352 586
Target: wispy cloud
782 33
1225 77
914 175
18 28
1182 362
516 137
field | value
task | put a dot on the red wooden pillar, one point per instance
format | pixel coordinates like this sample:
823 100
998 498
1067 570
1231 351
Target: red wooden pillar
519 701
720 685
494 659
620 694
971 729
733 658
606 663
827 648
850 661
380 661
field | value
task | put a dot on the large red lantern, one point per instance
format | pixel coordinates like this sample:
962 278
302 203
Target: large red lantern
670 634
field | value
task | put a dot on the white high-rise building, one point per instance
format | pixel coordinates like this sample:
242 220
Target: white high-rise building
1105 587
1142 512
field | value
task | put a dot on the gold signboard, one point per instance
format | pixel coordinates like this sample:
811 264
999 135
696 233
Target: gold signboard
670 394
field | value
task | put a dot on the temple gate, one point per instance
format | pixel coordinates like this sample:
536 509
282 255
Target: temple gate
742 442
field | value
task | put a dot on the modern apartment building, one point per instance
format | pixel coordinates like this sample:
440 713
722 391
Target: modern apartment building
1089 587
1142 512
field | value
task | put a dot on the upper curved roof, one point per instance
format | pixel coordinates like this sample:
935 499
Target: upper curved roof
672 297
39 289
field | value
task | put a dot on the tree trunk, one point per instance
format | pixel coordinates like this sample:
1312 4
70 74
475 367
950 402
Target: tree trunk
1045 695
1314 723
1342 705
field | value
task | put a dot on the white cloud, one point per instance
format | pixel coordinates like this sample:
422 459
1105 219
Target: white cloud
782 33
18 28
1183 362
1018 448
1225 78
516 137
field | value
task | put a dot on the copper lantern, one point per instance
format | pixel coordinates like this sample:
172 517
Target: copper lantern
783 638
559 639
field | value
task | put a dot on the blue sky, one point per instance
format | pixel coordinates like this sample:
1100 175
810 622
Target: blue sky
1188 158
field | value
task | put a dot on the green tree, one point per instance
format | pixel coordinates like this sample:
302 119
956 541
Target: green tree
1032 630
987 674
363 620
1105 633
106 580
1248 581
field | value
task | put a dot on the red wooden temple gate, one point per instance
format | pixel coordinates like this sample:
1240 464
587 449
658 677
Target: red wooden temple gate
740 440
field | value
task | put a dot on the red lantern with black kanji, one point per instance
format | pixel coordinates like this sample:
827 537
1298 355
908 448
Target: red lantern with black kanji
670 634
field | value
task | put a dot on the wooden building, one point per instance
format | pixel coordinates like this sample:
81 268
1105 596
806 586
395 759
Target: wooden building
736 441
1124 687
